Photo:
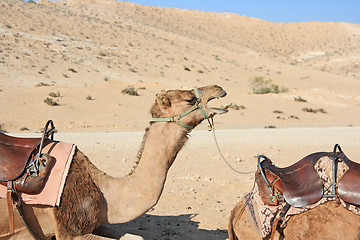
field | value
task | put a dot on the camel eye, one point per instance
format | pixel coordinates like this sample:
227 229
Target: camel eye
191 100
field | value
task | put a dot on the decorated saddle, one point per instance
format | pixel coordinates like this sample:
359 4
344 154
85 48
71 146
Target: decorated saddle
33 171
315 179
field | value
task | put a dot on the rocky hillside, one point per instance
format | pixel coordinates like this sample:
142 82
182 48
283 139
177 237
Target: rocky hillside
55 41
89 43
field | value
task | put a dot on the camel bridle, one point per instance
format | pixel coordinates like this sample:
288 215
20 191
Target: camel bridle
197 105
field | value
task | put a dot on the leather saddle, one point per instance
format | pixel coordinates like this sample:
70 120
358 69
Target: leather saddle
23 168
299 185
16 152
348 186
14 155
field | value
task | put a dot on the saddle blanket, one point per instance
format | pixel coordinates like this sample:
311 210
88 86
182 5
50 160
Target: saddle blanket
51 193
262 215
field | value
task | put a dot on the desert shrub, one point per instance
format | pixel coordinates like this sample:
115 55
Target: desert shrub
50 102
102 54
89 98
278 112
270 126
42 84
130 90
24 129
300 99
321 110
236 107
310 110
261 86
217 58
133 70
294 117
52 94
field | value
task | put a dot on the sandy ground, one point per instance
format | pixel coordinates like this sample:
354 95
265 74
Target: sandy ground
82 54
201 189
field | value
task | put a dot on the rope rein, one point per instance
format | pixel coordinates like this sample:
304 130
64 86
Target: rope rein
212 128
199 105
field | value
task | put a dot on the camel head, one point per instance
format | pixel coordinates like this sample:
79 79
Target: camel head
187 108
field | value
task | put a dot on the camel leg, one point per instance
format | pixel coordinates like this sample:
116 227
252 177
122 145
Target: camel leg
127 236
114 233
109 232
21 235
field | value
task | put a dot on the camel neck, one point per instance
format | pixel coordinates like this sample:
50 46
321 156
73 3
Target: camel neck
131 196
161 144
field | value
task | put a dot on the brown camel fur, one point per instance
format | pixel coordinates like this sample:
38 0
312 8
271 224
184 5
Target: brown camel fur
327 221
92 198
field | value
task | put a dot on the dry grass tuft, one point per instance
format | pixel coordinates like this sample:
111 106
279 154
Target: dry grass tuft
130 90
300 99
310 110
262 86
50 102
236 107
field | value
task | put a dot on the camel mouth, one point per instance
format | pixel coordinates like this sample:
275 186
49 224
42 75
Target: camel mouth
222 109
217 96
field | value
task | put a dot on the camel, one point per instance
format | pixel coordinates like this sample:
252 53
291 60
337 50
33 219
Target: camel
318 204
327 221
92 199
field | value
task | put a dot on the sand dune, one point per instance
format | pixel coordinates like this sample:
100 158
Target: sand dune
94 49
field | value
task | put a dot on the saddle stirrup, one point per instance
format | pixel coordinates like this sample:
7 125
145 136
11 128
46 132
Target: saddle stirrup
281 217
334 183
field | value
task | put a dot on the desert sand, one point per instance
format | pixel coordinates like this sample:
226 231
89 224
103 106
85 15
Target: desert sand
201 189
82 54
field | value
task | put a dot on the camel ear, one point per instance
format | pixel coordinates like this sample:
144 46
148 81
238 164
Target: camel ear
163 100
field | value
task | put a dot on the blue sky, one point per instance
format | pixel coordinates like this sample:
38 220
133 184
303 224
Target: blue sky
273 10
